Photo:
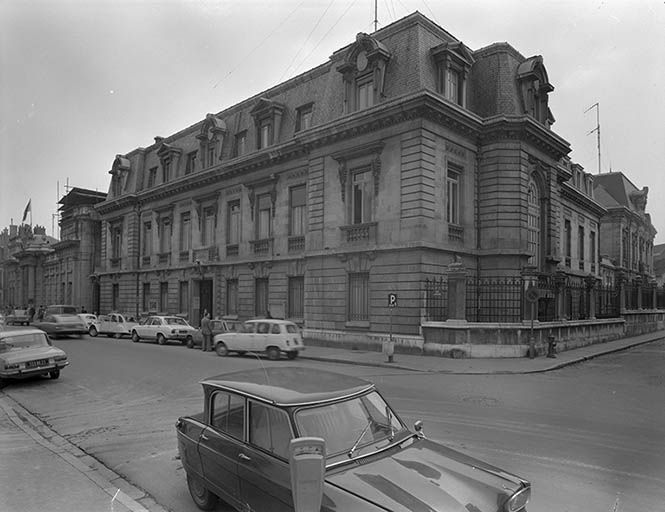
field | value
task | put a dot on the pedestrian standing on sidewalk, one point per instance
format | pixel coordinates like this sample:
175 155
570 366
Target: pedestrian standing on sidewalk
207 333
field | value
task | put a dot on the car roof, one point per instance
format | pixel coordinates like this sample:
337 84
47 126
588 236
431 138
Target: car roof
290 385
270 320
17 332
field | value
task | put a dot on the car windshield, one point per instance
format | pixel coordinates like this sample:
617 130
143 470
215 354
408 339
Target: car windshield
28 340
349 425
291 328
175 321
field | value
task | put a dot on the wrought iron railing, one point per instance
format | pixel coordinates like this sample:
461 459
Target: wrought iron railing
263 246
436 299
494 299
607 301
232 250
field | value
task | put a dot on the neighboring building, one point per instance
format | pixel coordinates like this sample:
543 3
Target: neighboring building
405 152
659 263
41 270
22 264
69 270
626 233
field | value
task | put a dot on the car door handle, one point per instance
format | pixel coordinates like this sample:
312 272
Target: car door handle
243 456
204 437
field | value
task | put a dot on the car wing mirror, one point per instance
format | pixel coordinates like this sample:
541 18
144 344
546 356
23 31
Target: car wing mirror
307 462
418 427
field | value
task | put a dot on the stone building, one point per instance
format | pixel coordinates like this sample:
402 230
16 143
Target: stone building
627 234
41 270
403 153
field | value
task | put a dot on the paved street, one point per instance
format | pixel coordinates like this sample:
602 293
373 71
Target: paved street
589 436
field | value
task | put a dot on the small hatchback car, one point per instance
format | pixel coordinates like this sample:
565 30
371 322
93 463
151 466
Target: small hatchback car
28 352
238 449
162 329
269 335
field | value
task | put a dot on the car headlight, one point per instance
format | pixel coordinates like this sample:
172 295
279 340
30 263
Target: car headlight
173 331
518 500
60 358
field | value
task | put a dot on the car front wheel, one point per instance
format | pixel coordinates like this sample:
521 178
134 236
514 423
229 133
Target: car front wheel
92 331
54 374
203 498
221 349
161 339
273 353
189 342
135 337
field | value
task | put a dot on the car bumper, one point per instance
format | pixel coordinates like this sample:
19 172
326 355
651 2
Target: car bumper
31 372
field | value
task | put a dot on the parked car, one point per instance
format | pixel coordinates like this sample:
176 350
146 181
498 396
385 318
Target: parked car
61 309
217 326
61 325
88 319
238 449
18 317
164 328
28 352
113 324
268 335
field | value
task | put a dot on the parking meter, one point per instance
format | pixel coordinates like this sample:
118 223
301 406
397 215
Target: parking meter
307 460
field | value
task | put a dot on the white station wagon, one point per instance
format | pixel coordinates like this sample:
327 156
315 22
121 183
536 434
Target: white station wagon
271 336
162 329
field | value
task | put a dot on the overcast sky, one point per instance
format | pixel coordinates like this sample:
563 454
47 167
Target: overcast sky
82 81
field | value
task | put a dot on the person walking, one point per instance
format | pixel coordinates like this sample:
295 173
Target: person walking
206 332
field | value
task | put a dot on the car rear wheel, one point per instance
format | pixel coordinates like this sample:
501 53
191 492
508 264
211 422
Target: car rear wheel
54 374
92 331
135 337
203 498
292 355
221 349
273 353
161 339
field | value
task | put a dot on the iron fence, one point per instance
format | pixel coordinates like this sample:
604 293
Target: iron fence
608 304
660 297
576 300
547 289
494 299
631 290
436 299
647 296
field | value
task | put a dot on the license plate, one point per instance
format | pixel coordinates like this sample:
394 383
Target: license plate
35 364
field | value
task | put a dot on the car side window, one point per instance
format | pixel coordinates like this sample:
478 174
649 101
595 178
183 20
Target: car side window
275 329
263 328
228 414
269 429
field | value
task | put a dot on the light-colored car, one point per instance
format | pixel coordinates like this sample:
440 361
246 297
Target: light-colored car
61 325
217 326
28 352
61 309
268 335
162 329
88 319
113 324
18 317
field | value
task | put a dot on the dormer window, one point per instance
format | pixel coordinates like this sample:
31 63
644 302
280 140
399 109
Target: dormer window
304 117
364 73
119 172
267 116
534 89
211 140
169 156
191 162
453 63
240 147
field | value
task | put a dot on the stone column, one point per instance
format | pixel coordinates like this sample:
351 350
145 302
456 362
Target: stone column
621 284
559 284
640 283
529 278
456 291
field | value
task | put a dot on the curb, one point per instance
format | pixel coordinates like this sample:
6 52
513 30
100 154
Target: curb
115 486
555 366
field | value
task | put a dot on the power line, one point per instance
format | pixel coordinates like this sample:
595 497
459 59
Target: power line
306 40
326 34
242 61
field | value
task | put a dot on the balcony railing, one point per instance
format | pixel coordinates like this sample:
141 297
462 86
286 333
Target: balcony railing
145 261
164 258
232 250
359 232
115 262
455 233
262 246
296 243
184 256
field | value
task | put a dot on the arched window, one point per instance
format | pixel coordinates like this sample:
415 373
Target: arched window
533 233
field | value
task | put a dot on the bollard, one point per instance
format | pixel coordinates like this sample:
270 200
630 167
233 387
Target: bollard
551 347
389 350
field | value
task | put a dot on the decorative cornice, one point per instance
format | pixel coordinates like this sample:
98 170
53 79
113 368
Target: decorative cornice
574 195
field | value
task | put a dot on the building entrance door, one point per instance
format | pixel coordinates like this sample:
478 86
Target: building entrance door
205 297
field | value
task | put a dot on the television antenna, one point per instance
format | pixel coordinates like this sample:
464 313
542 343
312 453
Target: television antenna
596 129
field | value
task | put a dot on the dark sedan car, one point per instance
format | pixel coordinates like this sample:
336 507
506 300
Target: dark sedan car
238 450
61 325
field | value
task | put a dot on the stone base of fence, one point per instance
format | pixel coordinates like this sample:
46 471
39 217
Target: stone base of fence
404 344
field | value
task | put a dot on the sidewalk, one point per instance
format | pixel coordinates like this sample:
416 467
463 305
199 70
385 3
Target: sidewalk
42 471
475 366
